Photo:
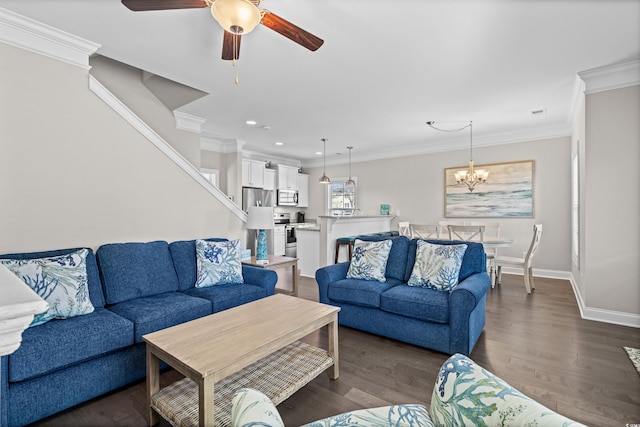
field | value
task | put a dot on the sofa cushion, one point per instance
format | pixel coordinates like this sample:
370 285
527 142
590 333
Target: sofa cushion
183 254
93 277
397 261
155 312
416 302
134 270
60 343
60 280
226 296
474 260
437 266
218 263
369 260
361 292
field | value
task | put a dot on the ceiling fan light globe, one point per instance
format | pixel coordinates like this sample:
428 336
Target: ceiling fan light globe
236 16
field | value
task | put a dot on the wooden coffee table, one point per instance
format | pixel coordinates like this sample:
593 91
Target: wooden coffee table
261 335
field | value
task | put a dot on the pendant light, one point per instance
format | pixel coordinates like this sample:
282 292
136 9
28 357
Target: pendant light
324 179
350 182
471 177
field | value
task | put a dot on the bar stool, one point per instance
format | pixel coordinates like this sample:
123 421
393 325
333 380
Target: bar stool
342 241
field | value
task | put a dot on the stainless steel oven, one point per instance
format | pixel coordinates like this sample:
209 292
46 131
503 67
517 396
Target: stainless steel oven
291 245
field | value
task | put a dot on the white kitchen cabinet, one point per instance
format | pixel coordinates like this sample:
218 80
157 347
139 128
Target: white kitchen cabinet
252 173
303 190
287 177
279 240
269 179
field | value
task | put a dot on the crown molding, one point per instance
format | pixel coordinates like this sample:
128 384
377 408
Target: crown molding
611 77
217 145
34 36
188 122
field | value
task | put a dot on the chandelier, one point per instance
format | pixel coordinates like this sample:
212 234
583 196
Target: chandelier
470 177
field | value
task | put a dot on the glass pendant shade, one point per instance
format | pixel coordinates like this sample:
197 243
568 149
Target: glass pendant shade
350 182
236 16
324 179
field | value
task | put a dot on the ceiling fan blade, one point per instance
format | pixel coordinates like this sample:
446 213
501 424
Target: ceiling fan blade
291 31
143 5
230 42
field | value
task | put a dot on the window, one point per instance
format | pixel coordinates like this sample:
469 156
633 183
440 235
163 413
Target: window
210 175
341 198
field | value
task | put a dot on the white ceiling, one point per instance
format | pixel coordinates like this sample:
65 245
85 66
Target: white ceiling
384 70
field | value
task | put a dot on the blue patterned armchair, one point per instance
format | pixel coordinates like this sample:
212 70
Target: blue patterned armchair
465 394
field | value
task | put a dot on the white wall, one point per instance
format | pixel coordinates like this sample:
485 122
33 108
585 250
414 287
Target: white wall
612 201
74 173
125 82
415 186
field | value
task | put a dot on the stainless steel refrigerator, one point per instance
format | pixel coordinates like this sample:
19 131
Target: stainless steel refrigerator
258 197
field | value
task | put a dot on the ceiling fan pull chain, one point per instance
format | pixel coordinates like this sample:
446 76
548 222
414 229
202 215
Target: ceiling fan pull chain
235 55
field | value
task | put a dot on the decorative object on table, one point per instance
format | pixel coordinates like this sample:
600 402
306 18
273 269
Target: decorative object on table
384 209
350 182
634 356
324 179
470 177
260 218
508 194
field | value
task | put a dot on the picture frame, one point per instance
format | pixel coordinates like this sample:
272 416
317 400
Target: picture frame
507 193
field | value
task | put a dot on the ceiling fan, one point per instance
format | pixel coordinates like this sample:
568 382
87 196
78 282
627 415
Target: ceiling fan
237 17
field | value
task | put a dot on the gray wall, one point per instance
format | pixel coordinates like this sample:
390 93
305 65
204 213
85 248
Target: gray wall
611 204
415 186
74 173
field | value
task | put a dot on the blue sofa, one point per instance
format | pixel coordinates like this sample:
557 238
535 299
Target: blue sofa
136 289
449 322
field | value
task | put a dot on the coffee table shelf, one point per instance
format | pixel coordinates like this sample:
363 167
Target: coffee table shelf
278 376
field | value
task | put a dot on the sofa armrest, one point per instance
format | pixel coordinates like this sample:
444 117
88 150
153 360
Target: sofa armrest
330 274
471 290
262 277
466 312
467 394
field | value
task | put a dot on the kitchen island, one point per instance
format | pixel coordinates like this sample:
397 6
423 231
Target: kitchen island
317 245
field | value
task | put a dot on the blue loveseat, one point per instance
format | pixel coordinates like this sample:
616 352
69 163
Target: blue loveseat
449 322
136 289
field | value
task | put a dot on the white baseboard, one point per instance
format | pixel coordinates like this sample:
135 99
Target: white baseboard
587 313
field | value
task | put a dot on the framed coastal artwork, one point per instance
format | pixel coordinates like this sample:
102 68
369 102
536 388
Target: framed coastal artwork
508 192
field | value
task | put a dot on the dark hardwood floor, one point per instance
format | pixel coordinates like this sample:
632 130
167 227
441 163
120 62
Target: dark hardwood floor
538 343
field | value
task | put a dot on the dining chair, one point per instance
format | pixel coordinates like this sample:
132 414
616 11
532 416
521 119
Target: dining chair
405 229
425 231
466 232
491 232
525 263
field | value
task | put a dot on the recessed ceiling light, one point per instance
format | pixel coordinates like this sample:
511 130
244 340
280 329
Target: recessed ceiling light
279 143
251 122
319 153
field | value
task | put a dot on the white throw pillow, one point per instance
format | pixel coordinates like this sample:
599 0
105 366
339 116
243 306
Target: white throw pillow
218 263
60 280
437 266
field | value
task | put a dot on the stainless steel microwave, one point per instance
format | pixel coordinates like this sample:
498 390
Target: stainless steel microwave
287 198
